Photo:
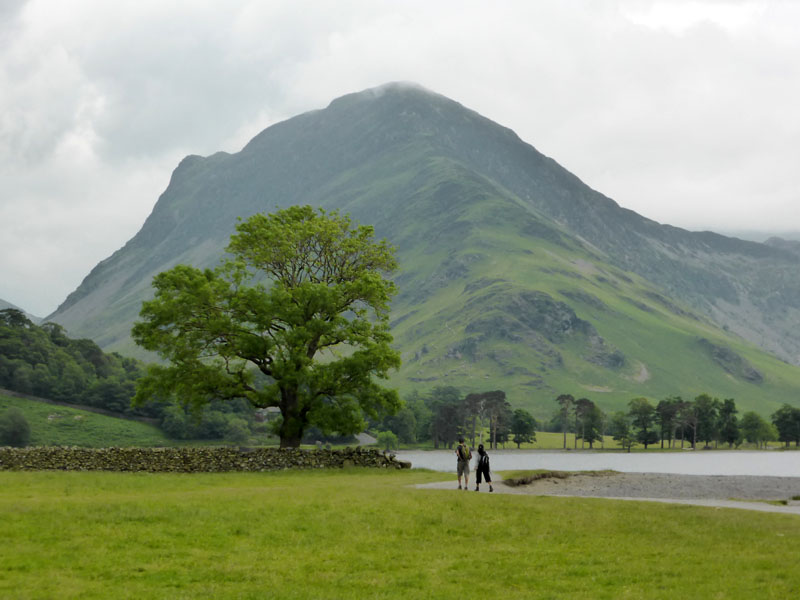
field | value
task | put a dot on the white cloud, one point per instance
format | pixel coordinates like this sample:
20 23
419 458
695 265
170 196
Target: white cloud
684 111
678 17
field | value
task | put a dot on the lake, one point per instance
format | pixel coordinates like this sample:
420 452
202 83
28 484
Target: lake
697 462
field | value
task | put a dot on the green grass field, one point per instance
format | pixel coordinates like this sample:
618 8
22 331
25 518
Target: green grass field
55 425
370 534
547 440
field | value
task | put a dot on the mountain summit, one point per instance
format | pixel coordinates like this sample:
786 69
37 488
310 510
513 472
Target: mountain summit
514 274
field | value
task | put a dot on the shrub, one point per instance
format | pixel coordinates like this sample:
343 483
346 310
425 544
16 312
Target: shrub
237 431
387 440
14 428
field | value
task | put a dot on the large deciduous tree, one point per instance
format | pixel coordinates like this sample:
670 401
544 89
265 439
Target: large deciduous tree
622 431
447 415
756 430
499 412
643 418
728 427
303 301
592 422
565 402
523 426
707 410
667 419
787 422
687 419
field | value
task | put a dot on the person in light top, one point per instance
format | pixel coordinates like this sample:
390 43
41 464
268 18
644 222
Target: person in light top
463 456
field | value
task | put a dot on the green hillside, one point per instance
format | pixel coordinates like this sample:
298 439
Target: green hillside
513 273
524 307
58 425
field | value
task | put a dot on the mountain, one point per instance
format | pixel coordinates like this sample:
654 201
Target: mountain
514 273
761 235
5 304
790 245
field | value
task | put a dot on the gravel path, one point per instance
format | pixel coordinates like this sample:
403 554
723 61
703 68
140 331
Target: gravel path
727 491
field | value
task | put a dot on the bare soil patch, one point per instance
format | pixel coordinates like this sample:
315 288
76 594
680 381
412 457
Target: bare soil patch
665 485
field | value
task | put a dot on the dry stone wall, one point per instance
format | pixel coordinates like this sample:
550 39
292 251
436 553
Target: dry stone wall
190 460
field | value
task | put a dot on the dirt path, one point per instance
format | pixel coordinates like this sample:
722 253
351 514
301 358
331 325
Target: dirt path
722 491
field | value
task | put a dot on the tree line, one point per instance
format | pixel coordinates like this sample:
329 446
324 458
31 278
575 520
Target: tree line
704 419
444 415
41 360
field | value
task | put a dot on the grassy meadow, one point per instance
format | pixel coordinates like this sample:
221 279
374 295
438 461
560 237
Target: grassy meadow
370 534
56 425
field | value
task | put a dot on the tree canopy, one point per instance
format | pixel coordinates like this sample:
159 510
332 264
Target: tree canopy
14 428
787 422
523 426
41 360
643 418
296 318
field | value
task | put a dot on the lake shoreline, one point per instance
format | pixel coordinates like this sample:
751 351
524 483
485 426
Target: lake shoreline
750 492
670 485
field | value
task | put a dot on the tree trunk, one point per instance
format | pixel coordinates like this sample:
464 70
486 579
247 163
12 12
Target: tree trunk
290 433
293 425
290 442
575 444
474 423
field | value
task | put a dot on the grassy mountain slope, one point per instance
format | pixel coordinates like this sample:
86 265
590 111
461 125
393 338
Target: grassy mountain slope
514 274
522 306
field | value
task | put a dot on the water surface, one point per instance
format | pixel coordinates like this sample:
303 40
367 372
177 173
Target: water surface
697 462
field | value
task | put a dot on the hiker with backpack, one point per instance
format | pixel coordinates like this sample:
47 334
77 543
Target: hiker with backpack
482 468
463 456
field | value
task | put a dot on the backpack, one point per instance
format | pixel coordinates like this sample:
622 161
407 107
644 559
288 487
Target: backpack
484 462
464 452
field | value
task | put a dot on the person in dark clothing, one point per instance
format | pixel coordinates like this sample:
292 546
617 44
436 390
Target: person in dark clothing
482 468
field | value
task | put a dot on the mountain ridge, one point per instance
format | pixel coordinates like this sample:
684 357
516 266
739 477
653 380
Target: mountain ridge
5 304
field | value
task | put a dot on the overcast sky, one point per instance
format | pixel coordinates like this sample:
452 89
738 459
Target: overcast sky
686 112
